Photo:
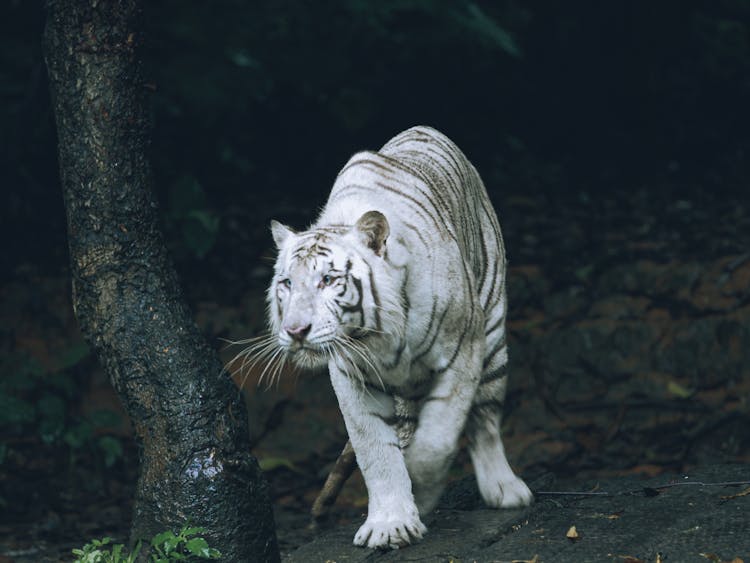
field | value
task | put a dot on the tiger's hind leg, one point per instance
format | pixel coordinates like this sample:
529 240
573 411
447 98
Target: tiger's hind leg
498 485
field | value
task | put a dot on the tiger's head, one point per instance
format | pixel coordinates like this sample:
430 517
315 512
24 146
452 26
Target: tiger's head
331 290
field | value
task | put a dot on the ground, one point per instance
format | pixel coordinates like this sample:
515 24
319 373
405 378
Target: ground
629 318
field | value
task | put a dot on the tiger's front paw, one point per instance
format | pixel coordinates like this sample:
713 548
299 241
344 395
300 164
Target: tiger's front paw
389 529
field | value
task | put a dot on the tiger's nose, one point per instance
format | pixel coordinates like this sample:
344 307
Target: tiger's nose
298 332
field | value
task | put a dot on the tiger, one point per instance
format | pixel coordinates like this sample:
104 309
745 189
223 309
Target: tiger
398 288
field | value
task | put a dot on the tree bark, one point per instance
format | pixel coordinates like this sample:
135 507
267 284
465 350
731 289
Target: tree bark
189 419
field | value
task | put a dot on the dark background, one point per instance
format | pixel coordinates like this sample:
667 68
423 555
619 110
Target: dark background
614 140
257 105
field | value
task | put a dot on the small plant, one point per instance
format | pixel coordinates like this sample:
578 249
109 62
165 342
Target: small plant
96 551
166 547
183 546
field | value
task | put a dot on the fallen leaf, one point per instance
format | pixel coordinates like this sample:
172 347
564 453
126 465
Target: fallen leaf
679 390
534 559
572 534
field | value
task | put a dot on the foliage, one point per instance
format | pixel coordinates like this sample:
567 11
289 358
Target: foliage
166 547
34 402
183 546
97 551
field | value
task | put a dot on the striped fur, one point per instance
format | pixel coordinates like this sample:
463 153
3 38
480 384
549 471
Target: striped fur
399 287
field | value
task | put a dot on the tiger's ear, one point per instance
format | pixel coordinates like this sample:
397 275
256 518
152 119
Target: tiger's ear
280 233
373 230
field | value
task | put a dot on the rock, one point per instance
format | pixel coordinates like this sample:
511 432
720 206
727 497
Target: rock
629 370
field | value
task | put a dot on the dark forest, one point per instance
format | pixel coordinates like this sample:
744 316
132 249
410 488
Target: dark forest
614 141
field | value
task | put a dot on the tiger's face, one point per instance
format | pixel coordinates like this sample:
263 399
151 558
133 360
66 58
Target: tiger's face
322 298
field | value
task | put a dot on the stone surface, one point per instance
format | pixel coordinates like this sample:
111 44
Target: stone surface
679 518
625 367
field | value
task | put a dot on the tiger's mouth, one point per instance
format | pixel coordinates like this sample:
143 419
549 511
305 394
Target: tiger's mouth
307 356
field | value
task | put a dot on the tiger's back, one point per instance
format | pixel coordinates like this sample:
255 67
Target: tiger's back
439 211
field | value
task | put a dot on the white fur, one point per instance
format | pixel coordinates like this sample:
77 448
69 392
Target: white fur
432 316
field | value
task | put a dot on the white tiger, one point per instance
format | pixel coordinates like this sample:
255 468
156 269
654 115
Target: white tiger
399 287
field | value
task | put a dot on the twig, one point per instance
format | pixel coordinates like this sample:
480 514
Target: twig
341 471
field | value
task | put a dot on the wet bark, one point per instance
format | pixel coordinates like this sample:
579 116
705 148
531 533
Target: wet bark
189 420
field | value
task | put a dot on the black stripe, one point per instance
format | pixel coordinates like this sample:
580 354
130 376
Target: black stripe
494 375
379 387
495 326
439 225
333 310
365 162
492 277
334 228
487 404
431 398
389 420
420 355
495 349
396 163
421 211
357 307
418 232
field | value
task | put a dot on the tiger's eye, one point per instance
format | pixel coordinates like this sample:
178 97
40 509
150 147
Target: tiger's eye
286 282
327 279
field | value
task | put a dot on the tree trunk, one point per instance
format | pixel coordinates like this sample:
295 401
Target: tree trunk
189 420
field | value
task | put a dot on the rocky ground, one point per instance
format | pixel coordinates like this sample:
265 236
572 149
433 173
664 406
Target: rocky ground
695 517
629 324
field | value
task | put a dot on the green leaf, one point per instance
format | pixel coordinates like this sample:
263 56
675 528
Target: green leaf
488 29
200 229
102 542
135 552
192 531
78 435
198 546
271 463
163 540
111 447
